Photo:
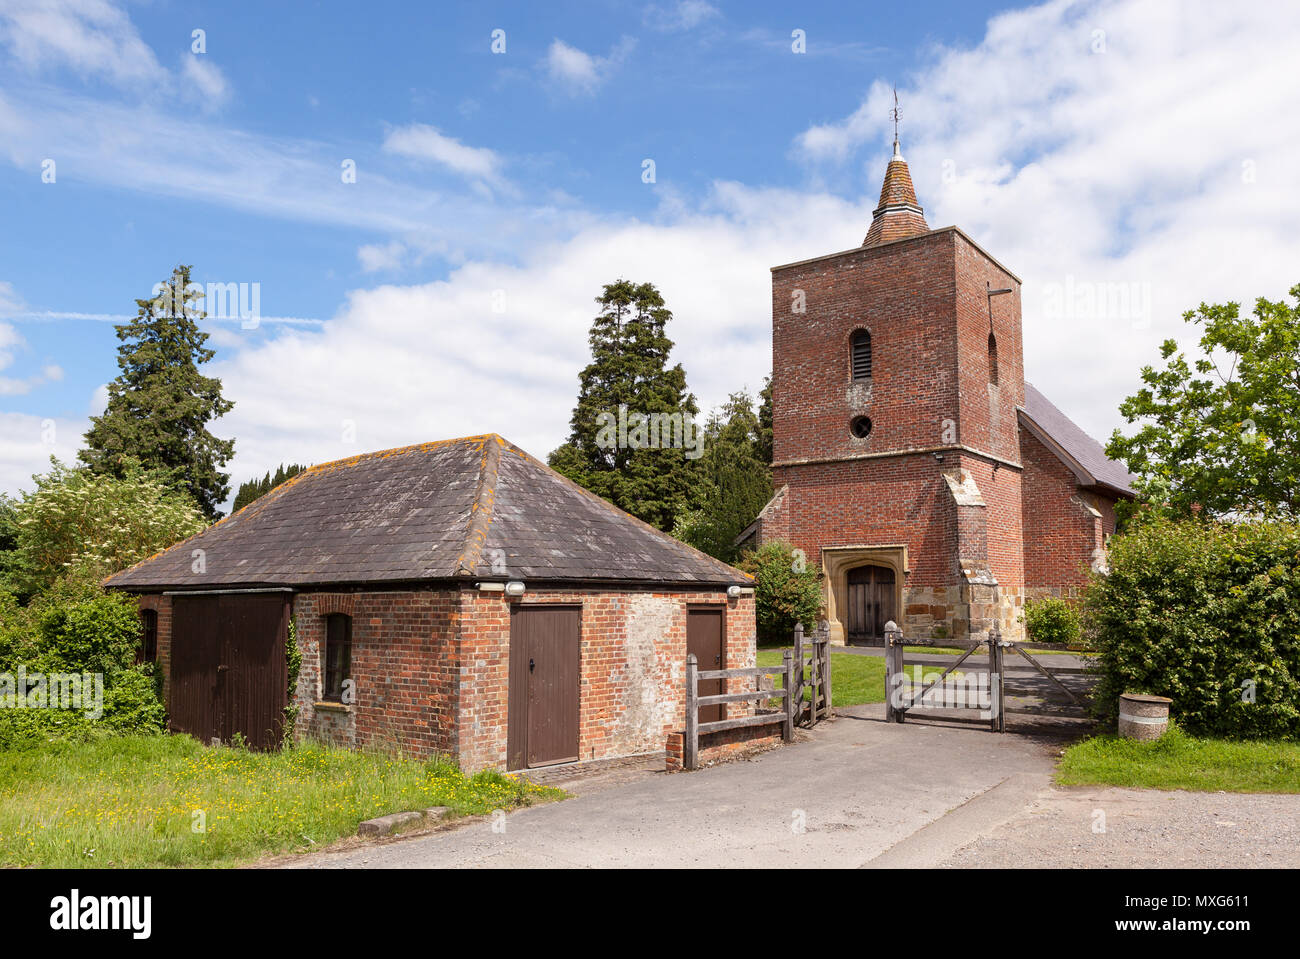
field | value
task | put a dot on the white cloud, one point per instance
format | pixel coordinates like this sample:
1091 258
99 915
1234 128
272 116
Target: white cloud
1158 165
11 344
96 40
10 301
578 72
28 441
683 15
423 142
407 364
207 81
381 256
92 37
1068 166
112 144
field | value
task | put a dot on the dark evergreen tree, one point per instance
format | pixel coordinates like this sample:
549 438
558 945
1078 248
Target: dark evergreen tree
159 406
734 480
256 488
628 399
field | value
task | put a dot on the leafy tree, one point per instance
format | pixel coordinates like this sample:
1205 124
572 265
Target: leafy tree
617 446
160 404
255 488
1221 432
76 519
8 535
786 592
734 482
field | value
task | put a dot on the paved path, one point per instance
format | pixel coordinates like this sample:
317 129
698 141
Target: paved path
932 792
855 788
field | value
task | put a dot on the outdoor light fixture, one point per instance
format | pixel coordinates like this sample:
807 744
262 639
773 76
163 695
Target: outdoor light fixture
733 591
515 588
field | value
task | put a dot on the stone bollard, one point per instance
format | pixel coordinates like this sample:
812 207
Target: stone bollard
1142 716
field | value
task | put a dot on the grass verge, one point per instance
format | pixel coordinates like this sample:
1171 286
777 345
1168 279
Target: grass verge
1179 761
854 679
170 801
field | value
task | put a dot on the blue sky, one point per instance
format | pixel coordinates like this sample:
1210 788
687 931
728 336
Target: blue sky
1138 147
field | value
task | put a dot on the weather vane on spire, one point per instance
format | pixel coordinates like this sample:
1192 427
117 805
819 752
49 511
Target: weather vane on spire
895 114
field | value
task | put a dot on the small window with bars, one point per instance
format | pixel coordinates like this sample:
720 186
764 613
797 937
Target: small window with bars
338 655
993 359
148 652
861 352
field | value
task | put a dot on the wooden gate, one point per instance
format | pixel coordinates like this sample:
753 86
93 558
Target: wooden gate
228 669
899 697
542 727
870 596
812 673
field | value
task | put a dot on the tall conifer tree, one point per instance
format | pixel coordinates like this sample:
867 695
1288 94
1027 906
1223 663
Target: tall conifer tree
159 406
628 379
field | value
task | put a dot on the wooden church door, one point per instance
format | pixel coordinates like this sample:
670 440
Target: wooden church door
871 605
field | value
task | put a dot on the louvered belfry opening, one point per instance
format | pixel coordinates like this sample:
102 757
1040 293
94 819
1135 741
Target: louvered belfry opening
861 349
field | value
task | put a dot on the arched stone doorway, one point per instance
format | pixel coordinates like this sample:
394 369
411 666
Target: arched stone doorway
885 580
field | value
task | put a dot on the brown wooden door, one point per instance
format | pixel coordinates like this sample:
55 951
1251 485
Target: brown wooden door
545 644
195 703
228 668
871 604
704 639
256 676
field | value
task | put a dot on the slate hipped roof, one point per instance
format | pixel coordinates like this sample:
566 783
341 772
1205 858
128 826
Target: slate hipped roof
898 215
469 509
1079 451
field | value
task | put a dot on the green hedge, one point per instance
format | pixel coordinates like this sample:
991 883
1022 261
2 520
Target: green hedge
1052 620
1194 610
76 627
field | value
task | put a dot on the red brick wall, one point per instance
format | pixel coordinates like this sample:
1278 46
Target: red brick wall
1060 534
903 294
1000 487
876 502
162 605
632 667
432 668
987 419
403 664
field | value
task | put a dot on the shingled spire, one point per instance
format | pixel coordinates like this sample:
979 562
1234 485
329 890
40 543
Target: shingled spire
899 215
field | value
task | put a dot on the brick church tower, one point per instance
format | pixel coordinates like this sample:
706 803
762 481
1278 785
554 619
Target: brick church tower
914 467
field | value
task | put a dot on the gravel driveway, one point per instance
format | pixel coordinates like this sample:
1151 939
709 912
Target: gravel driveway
1143 827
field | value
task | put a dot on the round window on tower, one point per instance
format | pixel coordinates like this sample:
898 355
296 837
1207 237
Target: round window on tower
861 427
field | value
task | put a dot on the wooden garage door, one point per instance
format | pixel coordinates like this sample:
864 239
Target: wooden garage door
545 643
228 669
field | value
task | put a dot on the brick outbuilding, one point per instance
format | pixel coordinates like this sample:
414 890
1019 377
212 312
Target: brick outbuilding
457 597
914 467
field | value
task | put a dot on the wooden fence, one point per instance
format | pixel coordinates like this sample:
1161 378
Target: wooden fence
694 701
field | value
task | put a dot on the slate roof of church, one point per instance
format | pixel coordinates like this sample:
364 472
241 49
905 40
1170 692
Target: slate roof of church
1081 451
477 508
